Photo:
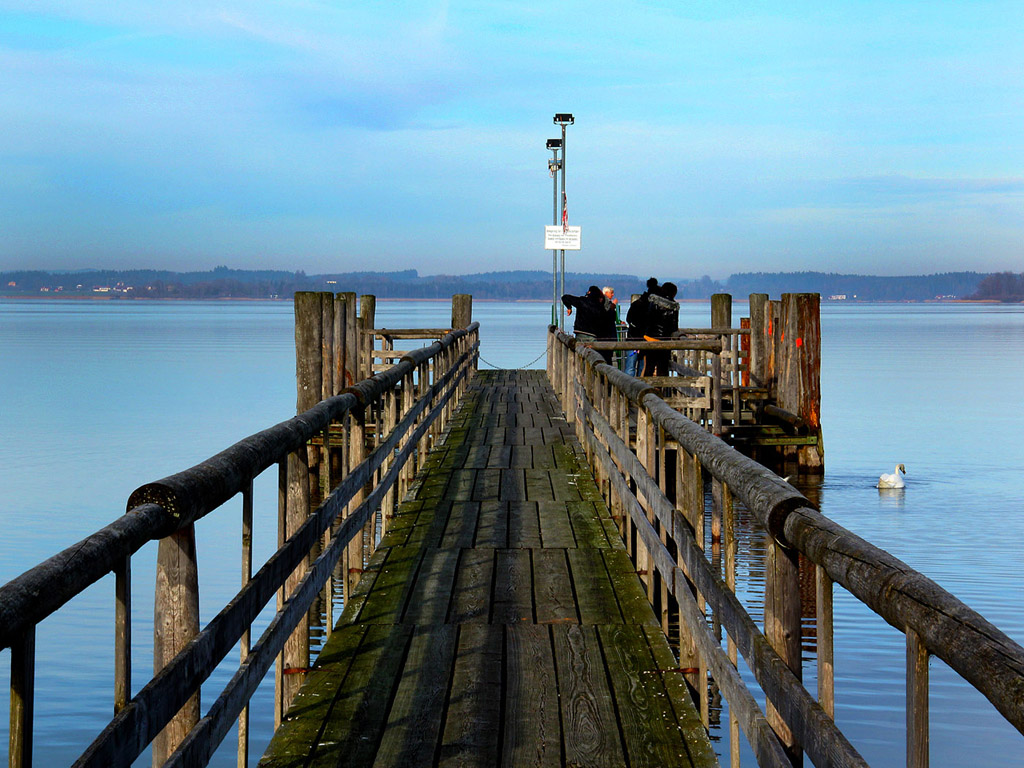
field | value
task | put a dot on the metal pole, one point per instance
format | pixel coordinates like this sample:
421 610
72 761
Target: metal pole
554 253
561 315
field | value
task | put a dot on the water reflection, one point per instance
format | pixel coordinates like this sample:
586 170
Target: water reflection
891 499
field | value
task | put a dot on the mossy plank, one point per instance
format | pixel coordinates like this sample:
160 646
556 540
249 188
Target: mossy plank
414 723
629 590
587 527
595 594
698 745
555 528
356 722
590 730
649 727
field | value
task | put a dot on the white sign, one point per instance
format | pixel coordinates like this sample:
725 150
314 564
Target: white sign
557 240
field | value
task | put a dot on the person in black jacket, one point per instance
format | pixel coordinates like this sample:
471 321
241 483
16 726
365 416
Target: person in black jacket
662 321
636 322
595 317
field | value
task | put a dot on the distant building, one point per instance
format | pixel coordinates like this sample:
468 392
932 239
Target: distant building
837 297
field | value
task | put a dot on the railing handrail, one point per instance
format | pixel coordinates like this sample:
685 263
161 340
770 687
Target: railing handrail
150 709
157 509
909 601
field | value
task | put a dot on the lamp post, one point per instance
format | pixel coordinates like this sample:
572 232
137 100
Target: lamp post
563 119
553 166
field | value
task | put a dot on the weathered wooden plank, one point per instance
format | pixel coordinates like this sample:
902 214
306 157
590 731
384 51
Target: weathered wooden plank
386 601
552 588
358 712
590 730
540 485
414 724
687 718
513 485
587 527
488 485
492 526
555 528
430 524
541 457
460 530
460 484
629 591
595 593
523 456
513 588
647 720
431 594
471 597
532 735
473 722
523 525
299 734
499 456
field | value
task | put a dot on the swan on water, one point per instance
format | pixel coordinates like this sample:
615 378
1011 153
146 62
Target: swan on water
894 480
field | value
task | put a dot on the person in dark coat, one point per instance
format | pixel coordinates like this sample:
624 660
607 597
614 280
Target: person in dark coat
662 321
595 317
636 322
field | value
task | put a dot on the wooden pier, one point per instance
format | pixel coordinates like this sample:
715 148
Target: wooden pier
500 621
537 568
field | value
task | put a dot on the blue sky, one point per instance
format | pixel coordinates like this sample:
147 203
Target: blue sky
710 137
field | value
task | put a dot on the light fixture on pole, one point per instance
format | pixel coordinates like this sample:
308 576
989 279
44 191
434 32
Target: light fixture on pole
563 119
554 165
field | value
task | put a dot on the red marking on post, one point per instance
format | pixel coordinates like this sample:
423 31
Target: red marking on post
799 342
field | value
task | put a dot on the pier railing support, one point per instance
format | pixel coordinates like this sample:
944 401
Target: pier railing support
175 623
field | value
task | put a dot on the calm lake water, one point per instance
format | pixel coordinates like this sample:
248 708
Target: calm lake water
97 398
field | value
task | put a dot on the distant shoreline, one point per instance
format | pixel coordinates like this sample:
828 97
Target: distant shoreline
215 299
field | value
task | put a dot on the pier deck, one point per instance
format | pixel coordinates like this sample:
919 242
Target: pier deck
500 622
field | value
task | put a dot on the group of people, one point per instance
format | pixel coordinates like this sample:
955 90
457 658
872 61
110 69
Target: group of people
652 317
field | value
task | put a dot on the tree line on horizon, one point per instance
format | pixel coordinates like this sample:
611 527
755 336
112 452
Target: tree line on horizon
225 283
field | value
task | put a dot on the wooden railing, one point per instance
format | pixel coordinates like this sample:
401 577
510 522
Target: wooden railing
651 463
329 447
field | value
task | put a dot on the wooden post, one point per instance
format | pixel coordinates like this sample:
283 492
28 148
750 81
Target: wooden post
122 634
800 376
357 453
324 607
350 343
282 528
782 625
917 701
730 549
721 310
243 718
302 475
825 643
175 623
462 310
367 318
758 338
721 318
23 667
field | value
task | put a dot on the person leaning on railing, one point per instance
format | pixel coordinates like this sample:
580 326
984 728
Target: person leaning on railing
662 322
636 323
595 317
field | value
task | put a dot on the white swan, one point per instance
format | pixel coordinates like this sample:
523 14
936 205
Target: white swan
894 480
